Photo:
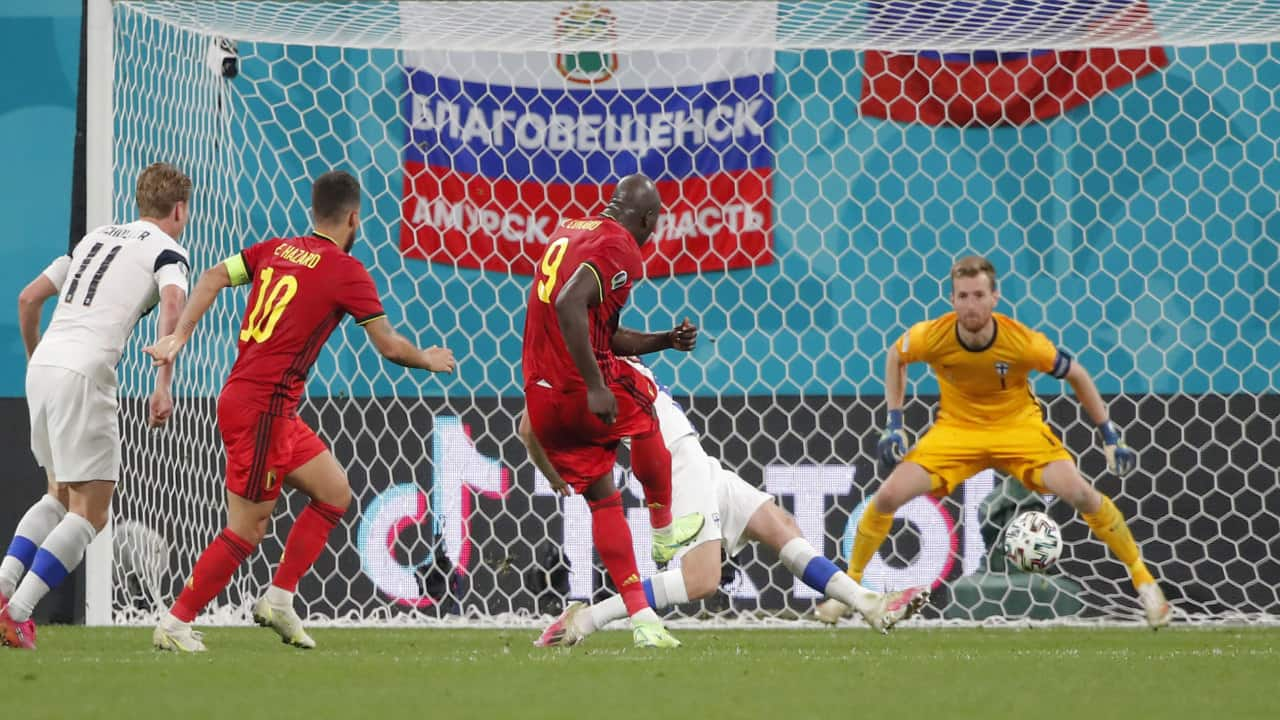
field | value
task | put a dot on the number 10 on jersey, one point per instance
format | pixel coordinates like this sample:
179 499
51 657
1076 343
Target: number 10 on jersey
269 306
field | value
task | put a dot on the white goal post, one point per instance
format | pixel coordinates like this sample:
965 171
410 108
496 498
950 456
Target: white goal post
822 164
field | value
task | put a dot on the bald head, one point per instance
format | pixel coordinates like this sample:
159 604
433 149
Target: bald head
635 205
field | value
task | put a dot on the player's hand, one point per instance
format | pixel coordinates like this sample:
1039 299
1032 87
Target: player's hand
1121 459
161 407
892 446
684 337
559 486
165 350
602 404
438 359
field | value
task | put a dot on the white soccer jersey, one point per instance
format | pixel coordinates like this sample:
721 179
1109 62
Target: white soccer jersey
699 483
672 421
112 278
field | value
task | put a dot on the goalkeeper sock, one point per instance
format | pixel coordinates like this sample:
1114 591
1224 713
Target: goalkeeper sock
307 539
612 537
60 553
211 574
873 527
821 574
662 590
1109 526
40 519
651 462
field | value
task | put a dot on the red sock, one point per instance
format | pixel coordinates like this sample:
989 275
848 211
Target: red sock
308 537
651 462
612 538
211 574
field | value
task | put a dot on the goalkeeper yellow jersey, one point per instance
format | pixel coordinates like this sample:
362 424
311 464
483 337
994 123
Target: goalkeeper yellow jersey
984 386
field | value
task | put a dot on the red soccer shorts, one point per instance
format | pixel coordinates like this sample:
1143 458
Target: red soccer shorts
582 448
262 448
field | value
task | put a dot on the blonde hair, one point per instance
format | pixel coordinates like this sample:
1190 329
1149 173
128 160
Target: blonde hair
973 266
160 187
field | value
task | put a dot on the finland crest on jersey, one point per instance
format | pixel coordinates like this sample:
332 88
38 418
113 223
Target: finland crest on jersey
109 281
671 418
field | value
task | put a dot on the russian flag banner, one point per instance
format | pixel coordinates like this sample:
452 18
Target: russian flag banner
1001 88
502 145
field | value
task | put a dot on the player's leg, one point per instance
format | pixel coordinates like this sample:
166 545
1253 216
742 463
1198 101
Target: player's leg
1062 478
612 538
907 482
651 463
60 553
35 525
254 442
776 528
323 480
697 577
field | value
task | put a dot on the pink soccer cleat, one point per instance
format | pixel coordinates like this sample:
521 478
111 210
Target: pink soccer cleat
21 635
562 632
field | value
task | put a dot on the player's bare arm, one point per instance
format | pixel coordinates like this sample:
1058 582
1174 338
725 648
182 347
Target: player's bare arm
172 298
395 347
683 337
524 429
1121 459
212 281
30 307
579 295
893 441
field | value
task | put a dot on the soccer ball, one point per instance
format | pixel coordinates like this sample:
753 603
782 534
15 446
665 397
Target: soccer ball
1033 542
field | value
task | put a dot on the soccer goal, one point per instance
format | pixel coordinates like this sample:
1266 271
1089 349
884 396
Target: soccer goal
822 165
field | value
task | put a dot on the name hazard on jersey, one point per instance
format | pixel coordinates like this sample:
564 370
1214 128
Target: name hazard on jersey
297 256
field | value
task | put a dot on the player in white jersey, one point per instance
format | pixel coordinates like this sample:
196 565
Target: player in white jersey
736 513
115 275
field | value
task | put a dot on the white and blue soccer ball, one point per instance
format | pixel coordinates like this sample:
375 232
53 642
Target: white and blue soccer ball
1033 542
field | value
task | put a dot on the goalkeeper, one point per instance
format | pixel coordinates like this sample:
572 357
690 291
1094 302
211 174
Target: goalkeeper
989 417
736 513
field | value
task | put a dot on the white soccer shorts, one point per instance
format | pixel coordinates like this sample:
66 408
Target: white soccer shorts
75 431
700 484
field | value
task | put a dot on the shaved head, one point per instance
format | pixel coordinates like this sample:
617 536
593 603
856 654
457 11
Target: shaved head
635 205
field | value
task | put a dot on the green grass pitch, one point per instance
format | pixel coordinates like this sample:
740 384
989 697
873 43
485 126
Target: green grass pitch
1091 674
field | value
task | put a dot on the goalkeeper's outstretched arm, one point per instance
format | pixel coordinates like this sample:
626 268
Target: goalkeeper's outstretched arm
1087 393
1121 459
893 441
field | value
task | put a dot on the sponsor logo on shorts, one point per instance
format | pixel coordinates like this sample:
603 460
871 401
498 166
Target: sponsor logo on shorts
632 580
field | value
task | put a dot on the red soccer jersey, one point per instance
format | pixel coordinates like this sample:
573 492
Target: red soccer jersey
612 254
302 287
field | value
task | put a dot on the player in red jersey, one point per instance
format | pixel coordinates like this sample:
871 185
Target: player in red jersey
582 401
301 289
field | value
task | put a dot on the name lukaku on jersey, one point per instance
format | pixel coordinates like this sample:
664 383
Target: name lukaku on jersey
297 256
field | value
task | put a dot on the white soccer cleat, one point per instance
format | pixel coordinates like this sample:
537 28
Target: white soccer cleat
830 611
1154 604
564 631
284 621
893 607
179 639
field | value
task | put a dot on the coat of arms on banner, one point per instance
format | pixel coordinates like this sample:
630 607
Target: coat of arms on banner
586 21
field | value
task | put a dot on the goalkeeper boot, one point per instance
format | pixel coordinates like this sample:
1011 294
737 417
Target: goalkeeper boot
892 608
21 635
284 621
652 635
564 631
830 611
668 541
178 637
1154 605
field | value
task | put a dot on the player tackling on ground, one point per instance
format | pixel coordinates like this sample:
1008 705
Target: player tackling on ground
117 273
301 289
988 417
582 401
739 513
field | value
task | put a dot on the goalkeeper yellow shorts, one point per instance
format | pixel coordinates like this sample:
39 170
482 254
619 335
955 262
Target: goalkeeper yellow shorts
953 453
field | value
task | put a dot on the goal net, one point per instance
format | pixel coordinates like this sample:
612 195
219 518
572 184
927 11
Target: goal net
1117 160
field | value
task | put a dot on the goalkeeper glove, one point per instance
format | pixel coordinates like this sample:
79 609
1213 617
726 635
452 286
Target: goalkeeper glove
1121 459
892 445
